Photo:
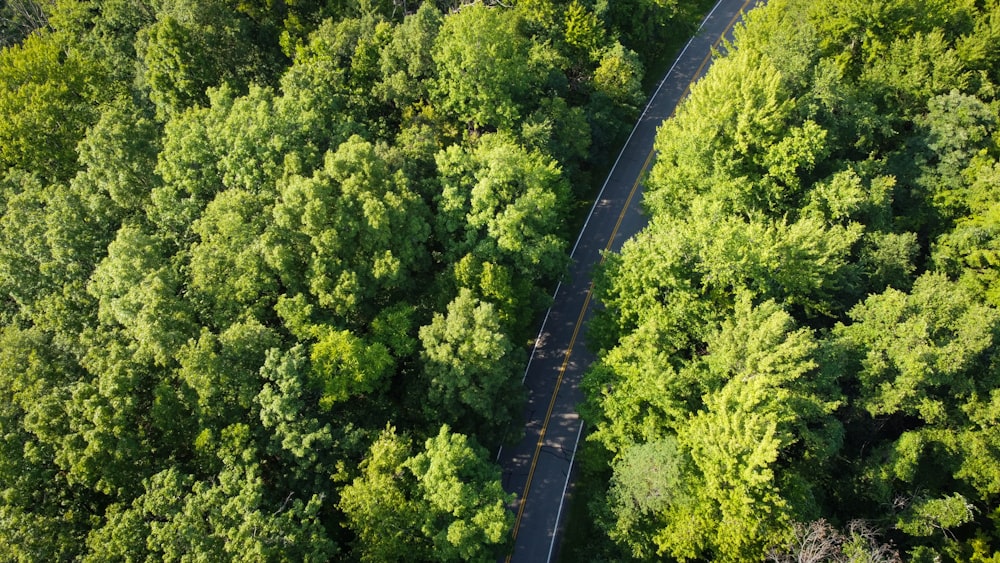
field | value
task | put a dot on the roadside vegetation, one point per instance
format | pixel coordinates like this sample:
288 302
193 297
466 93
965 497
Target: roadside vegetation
800 355
268 269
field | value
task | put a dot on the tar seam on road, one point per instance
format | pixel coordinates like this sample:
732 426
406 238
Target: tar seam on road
586 303
548 415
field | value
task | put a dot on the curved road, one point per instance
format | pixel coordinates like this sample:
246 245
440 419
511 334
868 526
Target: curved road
538 469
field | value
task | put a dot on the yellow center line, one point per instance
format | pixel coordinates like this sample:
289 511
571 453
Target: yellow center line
552 404
590 289
628 201
569 350
649 157
709 57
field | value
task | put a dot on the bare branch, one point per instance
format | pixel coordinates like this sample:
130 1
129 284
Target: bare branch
820 542
21 18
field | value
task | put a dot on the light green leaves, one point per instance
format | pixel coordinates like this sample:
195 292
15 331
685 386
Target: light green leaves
806 328
47 94
487 71
920 352
503 203
444 503
712 485
346 366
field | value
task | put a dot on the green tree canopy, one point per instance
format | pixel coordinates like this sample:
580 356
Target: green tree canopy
442 503
797 354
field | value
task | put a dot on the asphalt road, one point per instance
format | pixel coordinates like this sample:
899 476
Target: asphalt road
538 469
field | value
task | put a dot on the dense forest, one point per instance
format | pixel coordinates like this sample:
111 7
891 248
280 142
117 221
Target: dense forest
268 269
800 355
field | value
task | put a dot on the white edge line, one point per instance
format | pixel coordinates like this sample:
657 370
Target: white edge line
576 444
593 207
534 346
540 331
555 529
638 121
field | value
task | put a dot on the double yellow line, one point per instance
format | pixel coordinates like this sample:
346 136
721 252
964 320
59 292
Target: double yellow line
590 289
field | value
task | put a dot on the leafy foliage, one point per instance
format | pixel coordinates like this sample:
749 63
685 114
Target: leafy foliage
443 502
240 238
805 332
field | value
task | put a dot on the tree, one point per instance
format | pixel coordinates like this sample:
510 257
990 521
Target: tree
379 503
470 368
857 33
340 66
736 446
25 249
836 171
53 237
177 75
488 73
819 541
750 155
715 487
43 513
190 48
957 127
138 289
351 235
316 98
444 503
619 77
106 30
921 354
19 19
643 22
685 272
251 139
48 92
584 31
640 389
346 366
407 66
298 432
467 517
646 480
223 372
559 130
118 156
233 516
504 205
187 165
228 274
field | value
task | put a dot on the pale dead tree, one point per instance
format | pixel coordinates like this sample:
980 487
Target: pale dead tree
399 4
820 542
459 4
869 548
816 542
19 18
